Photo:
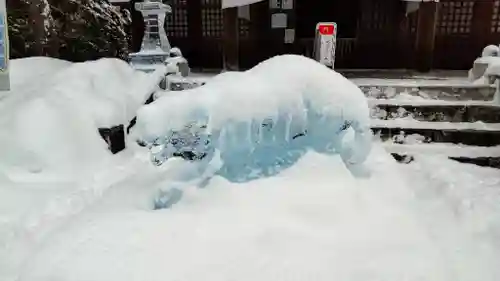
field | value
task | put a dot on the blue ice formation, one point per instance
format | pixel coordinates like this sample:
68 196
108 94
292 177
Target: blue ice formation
256 123
256 149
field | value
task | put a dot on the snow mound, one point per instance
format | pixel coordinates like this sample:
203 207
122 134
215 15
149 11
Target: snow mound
263 120
491 51
31 69
111 90
433 220
50 122
486 67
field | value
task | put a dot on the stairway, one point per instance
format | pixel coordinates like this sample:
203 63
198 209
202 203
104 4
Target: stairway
414 117
457 121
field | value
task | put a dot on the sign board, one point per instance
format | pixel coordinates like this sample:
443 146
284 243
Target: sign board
287 4
289 35
4 49
274 4
325 43
279 20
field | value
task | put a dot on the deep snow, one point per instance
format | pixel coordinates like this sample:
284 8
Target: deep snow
433 219
50 118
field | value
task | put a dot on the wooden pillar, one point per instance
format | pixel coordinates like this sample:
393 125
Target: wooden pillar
401 32
230 39
137 28
426 35
481 24
195 33
260 28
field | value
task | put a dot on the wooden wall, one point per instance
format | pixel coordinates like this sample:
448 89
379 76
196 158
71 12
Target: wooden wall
376 34
464 28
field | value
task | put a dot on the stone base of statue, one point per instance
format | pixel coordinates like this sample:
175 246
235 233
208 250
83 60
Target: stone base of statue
148 60
486 66
151 60
478 70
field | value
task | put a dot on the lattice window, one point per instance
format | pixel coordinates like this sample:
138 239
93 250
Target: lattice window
212 3
177 21
211 18
374 15
152 28
455 17
244 26
495 22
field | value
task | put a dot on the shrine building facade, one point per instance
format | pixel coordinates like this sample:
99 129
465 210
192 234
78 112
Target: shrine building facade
372 34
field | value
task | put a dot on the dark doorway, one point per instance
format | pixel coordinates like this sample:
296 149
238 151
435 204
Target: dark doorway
344 12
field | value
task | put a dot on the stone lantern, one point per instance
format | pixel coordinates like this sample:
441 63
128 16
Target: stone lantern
155 46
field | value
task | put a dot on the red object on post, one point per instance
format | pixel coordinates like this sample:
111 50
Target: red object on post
325 29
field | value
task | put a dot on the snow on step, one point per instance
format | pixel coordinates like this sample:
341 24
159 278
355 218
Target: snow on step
427 91
455 126
436 111
445 149
429 102
383 82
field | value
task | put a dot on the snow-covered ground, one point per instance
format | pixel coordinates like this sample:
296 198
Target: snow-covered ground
433 219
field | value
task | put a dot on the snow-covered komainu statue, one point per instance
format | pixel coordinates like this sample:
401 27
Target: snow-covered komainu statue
486 67
252 124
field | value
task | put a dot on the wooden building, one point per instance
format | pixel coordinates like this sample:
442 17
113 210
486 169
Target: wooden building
381 34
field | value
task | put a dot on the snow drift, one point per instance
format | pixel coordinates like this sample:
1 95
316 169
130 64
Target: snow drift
33 69
51 116
261 121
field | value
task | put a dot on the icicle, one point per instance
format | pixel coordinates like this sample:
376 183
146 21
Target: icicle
260 133
288 127
248 137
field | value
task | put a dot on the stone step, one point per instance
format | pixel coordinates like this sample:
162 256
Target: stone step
481 156
455 89
405 131
435 111
493 162
442 149
436 92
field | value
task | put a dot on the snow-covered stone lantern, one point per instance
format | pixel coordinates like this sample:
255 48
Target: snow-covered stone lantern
155 46
154 13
